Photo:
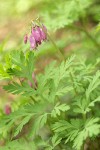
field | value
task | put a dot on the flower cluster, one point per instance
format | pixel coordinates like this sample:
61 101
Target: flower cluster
37 36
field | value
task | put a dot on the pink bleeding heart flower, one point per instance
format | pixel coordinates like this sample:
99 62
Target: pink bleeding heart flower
43 32
25 38
32 42
36 35
7 109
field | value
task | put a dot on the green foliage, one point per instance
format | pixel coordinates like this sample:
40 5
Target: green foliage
67 12
62 108
91 129
22 66
58 108
39 123
73 79
94 83
21 144
17 64
77 130
51 80
98 27
16 88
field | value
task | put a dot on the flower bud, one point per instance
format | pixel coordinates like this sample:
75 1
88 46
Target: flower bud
7 109
38 35
25 38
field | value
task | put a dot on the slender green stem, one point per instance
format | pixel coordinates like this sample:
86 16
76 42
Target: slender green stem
59 50
92 39
82 147
30 96
49 37
33 99
71 76
64 60
63 57
83 29
84 117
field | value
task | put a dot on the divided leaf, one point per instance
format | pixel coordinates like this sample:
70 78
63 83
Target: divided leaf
22 66
58 108
77 131
38 124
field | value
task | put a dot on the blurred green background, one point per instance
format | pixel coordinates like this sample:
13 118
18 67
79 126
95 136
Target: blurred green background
72 25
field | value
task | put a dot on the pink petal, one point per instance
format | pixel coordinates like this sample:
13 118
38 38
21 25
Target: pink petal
7 109
32 42
42 33
36 35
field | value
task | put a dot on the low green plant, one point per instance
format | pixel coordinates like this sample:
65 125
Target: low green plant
60 112
62 102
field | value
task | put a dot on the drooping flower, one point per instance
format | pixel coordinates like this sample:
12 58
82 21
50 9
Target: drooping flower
25 38
43 32
7 109
38 35
32 42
